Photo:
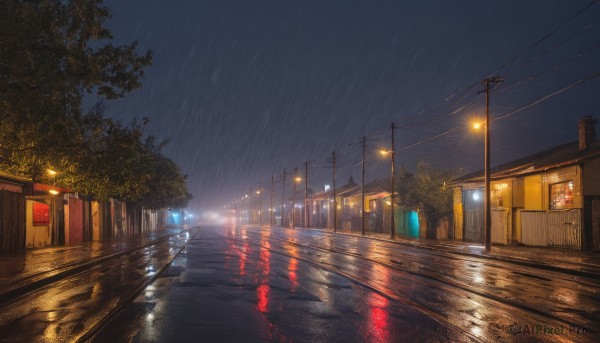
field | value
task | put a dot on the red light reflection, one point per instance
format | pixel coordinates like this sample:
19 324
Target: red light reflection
243 258
264 265
378 319
263 298
292 267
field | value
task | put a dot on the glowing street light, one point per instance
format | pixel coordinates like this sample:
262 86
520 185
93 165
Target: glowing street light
53 174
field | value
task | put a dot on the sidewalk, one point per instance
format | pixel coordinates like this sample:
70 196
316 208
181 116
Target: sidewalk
562 260
26 270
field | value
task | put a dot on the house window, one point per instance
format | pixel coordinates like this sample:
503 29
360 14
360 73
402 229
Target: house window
497 194
561 196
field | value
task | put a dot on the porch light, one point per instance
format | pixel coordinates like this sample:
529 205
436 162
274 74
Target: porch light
53 192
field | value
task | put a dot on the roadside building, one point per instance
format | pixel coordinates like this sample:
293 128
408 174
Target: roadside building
348 206
551 198
321 215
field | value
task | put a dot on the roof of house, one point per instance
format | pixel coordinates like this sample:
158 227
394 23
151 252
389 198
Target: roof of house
13 178
371 188
559 156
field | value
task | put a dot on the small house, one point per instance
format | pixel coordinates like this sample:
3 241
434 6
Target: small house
551 198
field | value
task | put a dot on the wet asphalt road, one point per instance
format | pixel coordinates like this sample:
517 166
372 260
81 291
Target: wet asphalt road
283 285
65 310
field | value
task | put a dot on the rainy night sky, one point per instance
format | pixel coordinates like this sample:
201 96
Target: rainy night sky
245 88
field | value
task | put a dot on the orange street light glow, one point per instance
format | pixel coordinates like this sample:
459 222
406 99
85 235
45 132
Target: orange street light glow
477 125
51 172
53 192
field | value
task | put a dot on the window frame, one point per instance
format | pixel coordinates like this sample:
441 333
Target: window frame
570 185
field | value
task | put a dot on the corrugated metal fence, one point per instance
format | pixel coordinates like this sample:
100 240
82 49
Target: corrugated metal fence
12 221
552 228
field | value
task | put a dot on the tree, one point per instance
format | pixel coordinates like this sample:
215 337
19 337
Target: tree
428 191
53 52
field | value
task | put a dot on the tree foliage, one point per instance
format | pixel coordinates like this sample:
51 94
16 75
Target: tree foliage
53 53
427 190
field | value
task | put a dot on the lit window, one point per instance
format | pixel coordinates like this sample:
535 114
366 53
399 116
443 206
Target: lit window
561 196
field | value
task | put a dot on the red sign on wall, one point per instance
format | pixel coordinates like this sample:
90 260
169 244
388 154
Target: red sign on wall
41 214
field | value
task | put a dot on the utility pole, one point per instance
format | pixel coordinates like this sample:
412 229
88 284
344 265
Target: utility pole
260 203
334 201
362 187
487 202
392 226
271 210
242 210
294 198
306 221
282 198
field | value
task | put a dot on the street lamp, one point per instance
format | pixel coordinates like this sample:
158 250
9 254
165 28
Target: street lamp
53 174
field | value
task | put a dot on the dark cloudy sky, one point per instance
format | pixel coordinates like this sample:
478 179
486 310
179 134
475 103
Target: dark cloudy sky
246 88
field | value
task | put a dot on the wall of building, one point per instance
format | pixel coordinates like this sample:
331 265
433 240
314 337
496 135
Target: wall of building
533 193
37 236
591 177
458 214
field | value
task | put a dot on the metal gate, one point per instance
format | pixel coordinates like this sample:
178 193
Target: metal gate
552 228
564 228
12 221
473 215
500 226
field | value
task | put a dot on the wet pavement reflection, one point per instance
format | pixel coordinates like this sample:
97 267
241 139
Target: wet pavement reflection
256 285
65 310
